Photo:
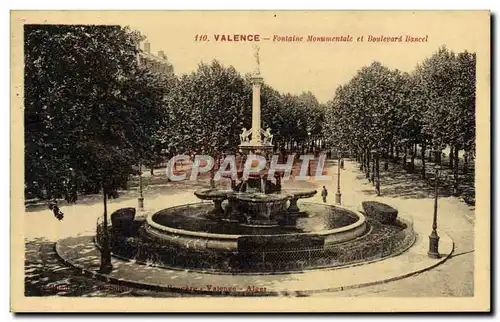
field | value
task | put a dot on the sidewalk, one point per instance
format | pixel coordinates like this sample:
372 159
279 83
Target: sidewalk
82 254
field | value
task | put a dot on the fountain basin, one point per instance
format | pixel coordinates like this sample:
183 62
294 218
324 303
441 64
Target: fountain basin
216 195
301 193
212 193
339 226
258 208
185 237
297 194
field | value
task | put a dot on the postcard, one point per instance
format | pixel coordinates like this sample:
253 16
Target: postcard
250 161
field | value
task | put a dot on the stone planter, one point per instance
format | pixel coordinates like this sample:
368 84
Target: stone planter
123 219
381 212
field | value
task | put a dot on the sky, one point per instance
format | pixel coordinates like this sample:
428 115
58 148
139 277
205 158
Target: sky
296 66
306 66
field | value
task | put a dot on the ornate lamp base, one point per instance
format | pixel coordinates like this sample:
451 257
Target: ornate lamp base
338 198
140 202
433 245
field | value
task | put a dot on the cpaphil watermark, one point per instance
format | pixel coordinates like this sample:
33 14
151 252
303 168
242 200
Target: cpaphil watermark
255 165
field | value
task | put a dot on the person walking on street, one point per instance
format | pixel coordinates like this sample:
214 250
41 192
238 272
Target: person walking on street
324 194
55 209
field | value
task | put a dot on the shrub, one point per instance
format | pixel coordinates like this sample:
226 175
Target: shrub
381 212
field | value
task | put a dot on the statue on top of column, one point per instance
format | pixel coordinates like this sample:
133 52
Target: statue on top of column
256 54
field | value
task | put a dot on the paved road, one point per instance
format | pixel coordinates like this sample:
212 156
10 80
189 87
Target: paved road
411 197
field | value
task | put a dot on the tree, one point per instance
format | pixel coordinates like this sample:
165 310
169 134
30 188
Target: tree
88 107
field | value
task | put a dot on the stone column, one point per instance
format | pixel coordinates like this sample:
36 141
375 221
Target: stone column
257 82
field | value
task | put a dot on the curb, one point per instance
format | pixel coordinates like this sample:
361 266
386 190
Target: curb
155 287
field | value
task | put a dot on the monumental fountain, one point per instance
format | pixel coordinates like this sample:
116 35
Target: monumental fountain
257 226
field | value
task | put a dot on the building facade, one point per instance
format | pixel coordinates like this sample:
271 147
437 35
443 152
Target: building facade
157 63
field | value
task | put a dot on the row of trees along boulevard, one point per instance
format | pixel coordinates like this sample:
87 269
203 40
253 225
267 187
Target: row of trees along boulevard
388 114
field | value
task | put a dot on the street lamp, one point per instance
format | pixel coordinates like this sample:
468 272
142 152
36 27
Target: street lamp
372 177
367 165
309 149
72 188
377 170
433 237
140 200
338 195
106 266
308 141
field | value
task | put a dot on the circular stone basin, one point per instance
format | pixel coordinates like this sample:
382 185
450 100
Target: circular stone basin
301 193
193 218
257 197
259 208
189 226
212 193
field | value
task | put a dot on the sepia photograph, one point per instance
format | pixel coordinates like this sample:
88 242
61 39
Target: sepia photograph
339 160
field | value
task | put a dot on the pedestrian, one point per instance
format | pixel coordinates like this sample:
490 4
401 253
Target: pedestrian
55 209
324 194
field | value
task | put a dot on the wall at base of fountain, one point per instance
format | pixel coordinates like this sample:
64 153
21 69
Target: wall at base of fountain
266 243
352 233
198 240
193 241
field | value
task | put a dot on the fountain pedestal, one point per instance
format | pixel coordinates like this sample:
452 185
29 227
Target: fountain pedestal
231 213
293 205
296 195
215 195
259 209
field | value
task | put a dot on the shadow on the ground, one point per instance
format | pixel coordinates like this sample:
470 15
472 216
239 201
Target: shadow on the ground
47 275
398 182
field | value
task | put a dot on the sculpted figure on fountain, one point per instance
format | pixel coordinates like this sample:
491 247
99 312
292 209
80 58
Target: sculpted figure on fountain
268 137
245 134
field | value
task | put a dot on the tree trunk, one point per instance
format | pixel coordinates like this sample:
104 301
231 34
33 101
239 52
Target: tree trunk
466 162
423 160
451 157
404 157
48 192
455 172
413 148
106 250
377 169
397 154
374 163
151 170
367 168
361 160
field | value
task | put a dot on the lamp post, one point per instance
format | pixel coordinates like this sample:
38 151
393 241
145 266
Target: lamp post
308 150
433 237
372 176
377 173
140 200
106 266
308 141
367 165
72 186
338 195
